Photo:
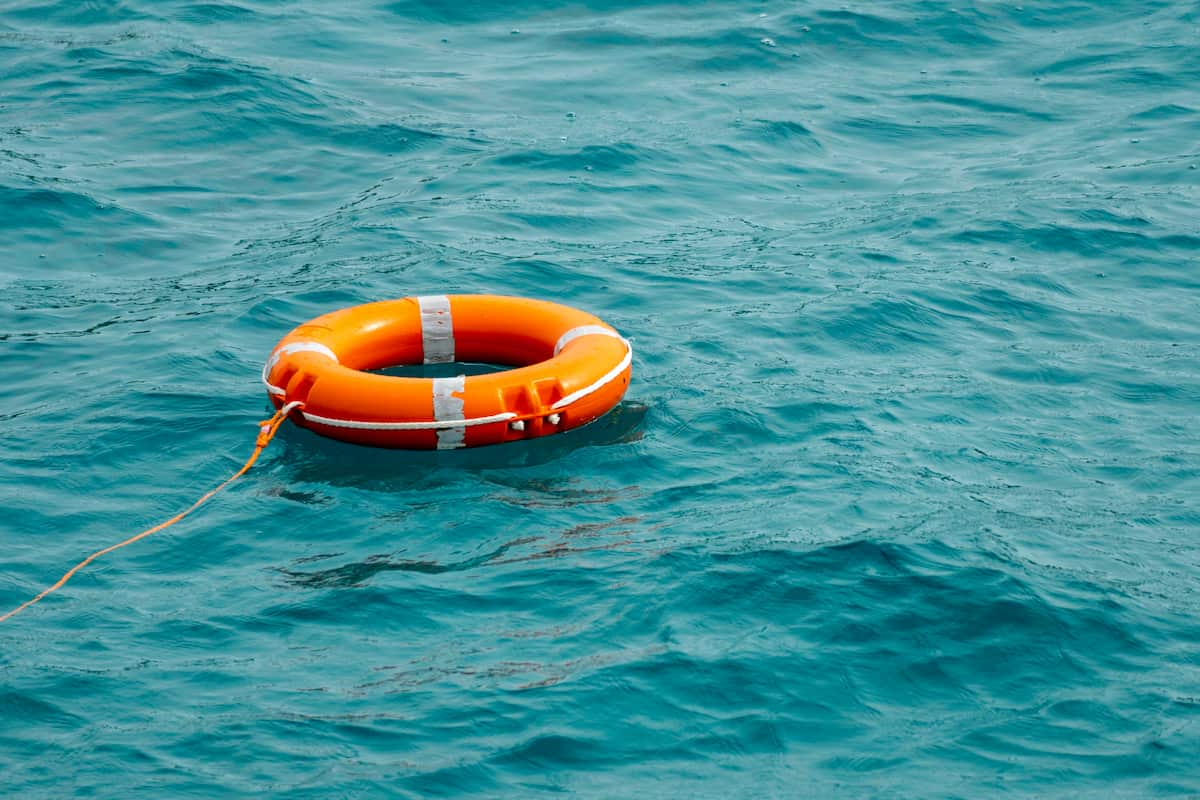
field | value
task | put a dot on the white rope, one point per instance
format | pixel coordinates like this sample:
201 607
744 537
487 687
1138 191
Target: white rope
432 425
290 407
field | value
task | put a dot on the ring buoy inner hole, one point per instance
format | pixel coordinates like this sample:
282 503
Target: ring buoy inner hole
447 370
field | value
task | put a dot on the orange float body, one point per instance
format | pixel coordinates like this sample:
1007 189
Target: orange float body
569 369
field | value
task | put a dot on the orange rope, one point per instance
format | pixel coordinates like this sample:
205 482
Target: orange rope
266 432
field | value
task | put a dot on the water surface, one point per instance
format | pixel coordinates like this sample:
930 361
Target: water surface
904 499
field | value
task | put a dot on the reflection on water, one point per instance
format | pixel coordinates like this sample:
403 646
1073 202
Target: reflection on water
313 458
615 533
358 573
541 493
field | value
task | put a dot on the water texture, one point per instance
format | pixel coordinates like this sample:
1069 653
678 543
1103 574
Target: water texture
904 498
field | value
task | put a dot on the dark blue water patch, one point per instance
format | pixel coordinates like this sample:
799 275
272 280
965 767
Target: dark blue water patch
1029 371
890 131
787 132
385 138
1181 241
470 13
1155 392
202 74
613 158
216 13
107 12
35 208
452 781
1090 241
1167 111
20 707
975 104
880 37
882 325
596 36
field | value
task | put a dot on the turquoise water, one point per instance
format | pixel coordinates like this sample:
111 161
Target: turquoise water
904 499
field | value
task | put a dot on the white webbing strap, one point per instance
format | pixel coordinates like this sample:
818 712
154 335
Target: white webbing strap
437 329
294 347
448 407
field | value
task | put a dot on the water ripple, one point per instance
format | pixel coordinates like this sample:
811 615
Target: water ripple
902 501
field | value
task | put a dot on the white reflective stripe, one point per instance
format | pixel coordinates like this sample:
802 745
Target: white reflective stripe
448 407
408 426
608 378
437 329
294 347
583 330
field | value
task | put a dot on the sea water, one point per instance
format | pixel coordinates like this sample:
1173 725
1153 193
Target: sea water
904 498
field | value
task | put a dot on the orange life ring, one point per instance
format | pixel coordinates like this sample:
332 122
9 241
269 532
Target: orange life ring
569 369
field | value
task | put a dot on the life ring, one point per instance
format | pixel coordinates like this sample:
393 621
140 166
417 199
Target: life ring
569 369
